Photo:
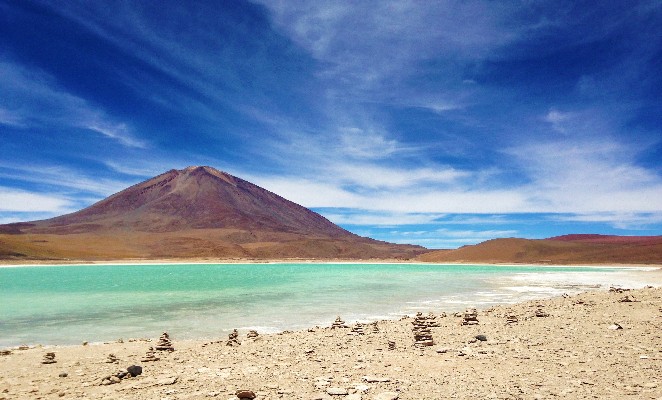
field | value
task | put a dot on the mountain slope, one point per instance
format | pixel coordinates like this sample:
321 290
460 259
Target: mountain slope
194 212
568 249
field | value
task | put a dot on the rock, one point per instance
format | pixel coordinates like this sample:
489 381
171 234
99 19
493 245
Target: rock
135 370
164 343
167 381
49 358
233 338
362 388
337 391
106 382
375 379
357 329
245 394
391 345
5 352
387 396
443 350
353 396
470 317
541 313
252 334
482 338
63 375
114 379
112 359
150 356
615 326
421 331
338 323
374 327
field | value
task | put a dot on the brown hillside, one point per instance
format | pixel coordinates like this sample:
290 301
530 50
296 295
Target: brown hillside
570 249
189 213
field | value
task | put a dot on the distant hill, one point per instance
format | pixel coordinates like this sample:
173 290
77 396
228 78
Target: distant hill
568 249
191 213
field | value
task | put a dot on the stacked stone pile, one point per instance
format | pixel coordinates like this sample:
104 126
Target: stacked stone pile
358 329
374 327
164 343
112 359
233 338
391 345
338 323
422 332
511 319
49 358
252 334
150 355
470 317
540 312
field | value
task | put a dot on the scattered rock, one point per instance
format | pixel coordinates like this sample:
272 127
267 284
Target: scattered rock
615 326
245 394
627 299
164 343
387 396
337 391
481 338
135 370
49 358
376 379
167 381
63 375
5 352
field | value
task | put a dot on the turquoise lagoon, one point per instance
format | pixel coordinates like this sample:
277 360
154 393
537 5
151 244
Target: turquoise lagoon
76 303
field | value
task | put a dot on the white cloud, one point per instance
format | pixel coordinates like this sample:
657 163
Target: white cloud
13 200
363 217
36 100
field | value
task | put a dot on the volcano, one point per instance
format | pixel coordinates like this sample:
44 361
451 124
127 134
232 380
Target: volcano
197 212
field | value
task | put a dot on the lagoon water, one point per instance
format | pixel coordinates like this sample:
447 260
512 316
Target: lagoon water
72 304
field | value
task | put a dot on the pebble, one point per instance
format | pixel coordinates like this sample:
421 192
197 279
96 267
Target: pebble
376 379
337 391
245 394
63 375
353 396
387 396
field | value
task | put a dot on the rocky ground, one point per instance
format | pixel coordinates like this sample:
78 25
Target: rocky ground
603 345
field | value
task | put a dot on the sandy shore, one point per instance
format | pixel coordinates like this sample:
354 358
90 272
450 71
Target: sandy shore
572 352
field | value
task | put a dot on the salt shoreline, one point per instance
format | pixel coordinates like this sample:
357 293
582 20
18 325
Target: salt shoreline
573 352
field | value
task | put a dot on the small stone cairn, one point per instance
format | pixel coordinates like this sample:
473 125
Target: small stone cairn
233 338
422 333
470 317
252 334
430 320
49 358
511 319
164 343
540 312
338 323
374 327
150 355
391 344
357 329
112 359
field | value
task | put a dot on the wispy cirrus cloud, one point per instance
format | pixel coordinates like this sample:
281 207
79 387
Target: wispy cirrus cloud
13 200
31 98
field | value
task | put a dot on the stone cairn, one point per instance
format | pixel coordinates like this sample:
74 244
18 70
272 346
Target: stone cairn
357 329
164 343
540 312
430 320
422 333
112 359
511 319
470 317
233 339
374 327
252 334
391 344
338 323
49 358
150 355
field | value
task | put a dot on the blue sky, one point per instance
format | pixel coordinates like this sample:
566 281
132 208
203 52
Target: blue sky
438 123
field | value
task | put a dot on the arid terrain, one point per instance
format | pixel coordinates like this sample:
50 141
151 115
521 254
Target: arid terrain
604 345
568 249
191 213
